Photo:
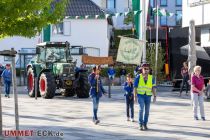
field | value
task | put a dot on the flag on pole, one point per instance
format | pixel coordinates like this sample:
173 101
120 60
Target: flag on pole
130 50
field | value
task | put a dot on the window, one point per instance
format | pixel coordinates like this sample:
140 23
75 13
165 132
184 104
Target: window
163 20
178 2
7 58
57 29
111 5
163 2
152 3
178 17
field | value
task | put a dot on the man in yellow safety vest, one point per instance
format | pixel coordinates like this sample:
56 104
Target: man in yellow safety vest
145 87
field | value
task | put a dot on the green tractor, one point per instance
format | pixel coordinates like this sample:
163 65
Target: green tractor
54 69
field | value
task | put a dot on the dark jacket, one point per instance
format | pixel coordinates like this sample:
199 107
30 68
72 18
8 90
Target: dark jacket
123 72
128 88
93 83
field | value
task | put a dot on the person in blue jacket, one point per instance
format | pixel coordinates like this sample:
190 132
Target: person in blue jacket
111 73
96 90
129 97
7 76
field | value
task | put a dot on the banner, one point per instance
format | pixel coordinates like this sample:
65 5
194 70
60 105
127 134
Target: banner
130 51
97 60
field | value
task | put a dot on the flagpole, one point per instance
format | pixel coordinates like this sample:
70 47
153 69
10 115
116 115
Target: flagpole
156 44
144 29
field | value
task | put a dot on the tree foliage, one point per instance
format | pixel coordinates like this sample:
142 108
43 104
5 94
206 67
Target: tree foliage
151 59
28 17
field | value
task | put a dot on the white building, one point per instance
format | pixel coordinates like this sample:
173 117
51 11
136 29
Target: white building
172 6
198 10
91 33
116 6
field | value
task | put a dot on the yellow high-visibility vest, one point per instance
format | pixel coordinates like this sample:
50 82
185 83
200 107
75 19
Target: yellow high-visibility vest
145 87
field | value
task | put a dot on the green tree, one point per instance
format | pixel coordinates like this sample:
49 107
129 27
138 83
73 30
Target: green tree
151 59
28 17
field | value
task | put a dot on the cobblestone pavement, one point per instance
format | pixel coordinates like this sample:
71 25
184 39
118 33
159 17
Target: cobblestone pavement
171 118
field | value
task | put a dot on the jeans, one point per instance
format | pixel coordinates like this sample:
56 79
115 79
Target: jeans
129 99
95 107
7 87
144 105
198 99
185 82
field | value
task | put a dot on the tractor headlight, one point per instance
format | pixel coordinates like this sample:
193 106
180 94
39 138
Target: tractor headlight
64 75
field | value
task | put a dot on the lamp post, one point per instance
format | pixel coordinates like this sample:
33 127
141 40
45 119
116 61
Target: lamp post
11 53
156 44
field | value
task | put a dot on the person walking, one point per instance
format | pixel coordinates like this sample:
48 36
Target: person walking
144 88
197 88
96 90
7 76
1 70
129 97
185 79
123 73
111 74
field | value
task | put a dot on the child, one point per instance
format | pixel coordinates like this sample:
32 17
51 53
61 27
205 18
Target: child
207 90
129 97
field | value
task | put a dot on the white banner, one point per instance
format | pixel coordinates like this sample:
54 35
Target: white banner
130 51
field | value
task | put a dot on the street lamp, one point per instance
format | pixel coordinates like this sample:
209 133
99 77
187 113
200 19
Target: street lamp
11 53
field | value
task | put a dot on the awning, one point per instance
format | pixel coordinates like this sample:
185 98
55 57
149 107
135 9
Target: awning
97 60
200 52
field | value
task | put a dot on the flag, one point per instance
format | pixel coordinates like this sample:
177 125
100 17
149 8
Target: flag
130 51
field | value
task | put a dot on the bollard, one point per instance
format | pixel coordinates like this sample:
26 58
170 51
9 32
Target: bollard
109 88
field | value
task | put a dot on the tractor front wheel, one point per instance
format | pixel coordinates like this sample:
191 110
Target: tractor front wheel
31 82
47 85
83 88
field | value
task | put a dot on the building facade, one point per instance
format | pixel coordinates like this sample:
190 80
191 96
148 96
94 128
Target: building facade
198 10
116 6
172 6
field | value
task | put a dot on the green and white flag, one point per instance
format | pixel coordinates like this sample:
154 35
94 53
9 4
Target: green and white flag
130 50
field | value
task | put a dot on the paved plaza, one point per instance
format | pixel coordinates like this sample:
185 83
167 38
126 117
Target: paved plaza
171 118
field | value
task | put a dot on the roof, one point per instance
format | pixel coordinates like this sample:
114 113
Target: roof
83 8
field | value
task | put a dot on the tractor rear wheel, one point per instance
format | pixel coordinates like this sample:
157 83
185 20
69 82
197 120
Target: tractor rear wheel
69 92
47 85
31 82
83 88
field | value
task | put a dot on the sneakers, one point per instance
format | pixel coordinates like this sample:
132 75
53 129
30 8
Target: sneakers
180 94
132 119
7 96
128 119
141 127
96 122
196 118
203 118
145 127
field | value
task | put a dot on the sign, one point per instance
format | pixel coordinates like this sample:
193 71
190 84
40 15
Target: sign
97 60
197 2
130 51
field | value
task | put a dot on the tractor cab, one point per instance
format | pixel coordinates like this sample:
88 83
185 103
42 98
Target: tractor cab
54 52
